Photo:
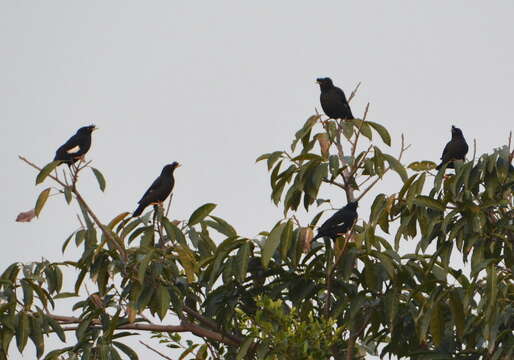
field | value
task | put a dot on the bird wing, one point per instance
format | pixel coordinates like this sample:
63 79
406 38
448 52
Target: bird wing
71 146
155 185
334 220
340 94
446 150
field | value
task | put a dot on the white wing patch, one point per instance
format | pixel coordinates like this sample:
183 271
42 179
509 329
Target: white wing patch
73 150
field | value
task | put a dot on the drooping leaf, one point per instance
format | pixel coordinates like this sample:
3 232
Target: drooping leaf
382 131
100 178
223 227
46 171
243 258
422 200
396 166
41 200
127 350
22 330
271 244
200 213
117 219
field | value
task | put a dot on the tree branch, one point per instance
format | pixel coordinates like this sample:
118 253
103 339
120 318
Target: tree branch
183 327
81 200
212 324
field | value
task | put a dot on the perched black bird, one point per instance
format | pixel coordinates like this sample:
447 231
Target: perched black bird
456 149
76 147
333 101
159 190
339 223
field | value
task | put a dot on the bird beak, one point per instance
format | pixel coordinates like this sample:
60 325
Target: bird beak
179 165
317 81
95 128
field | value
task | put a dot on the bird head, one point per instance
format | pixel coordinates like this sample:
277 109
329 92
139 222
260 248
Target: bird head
456 132
325 83
168 169
86 130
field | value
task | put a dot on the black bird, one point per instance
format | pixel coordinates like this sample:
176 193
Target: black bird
333 101
76 147
339 223
159 190
456 149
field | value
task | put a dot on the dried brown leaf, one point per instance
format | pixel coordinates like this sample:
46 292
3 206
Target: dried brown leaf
26 216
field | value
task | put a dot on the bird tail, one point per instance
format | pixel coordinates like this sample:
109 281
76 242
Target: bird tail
139 210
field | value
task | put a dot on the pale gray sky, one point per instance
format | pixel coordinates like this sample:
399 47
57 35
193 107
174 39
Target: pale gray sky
215 84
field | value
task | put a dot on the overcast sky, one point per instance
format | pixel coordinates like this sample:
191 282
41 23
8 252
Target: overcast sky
215 84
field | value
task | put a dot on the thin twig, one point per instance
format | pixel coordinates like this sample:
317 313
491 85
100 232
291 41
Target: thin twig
354 92
39 169
155 351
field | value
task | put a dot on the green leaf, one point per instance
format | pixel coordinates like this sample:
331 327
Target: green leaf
396 166
68 194
127 350
263 157
243 258
274 156
100 178
22 330
241 354
437 324
422 165
164 299
271 244
46 171
426 201
308 157
200 213
347 129
64 295
286 239
457 312
36 335
41 200
223 227
363 127
57 328
173 232
28 294
382 131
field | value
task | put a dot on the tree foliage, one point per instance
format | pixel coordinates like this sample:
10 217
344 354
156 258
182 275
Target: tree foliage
280 295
